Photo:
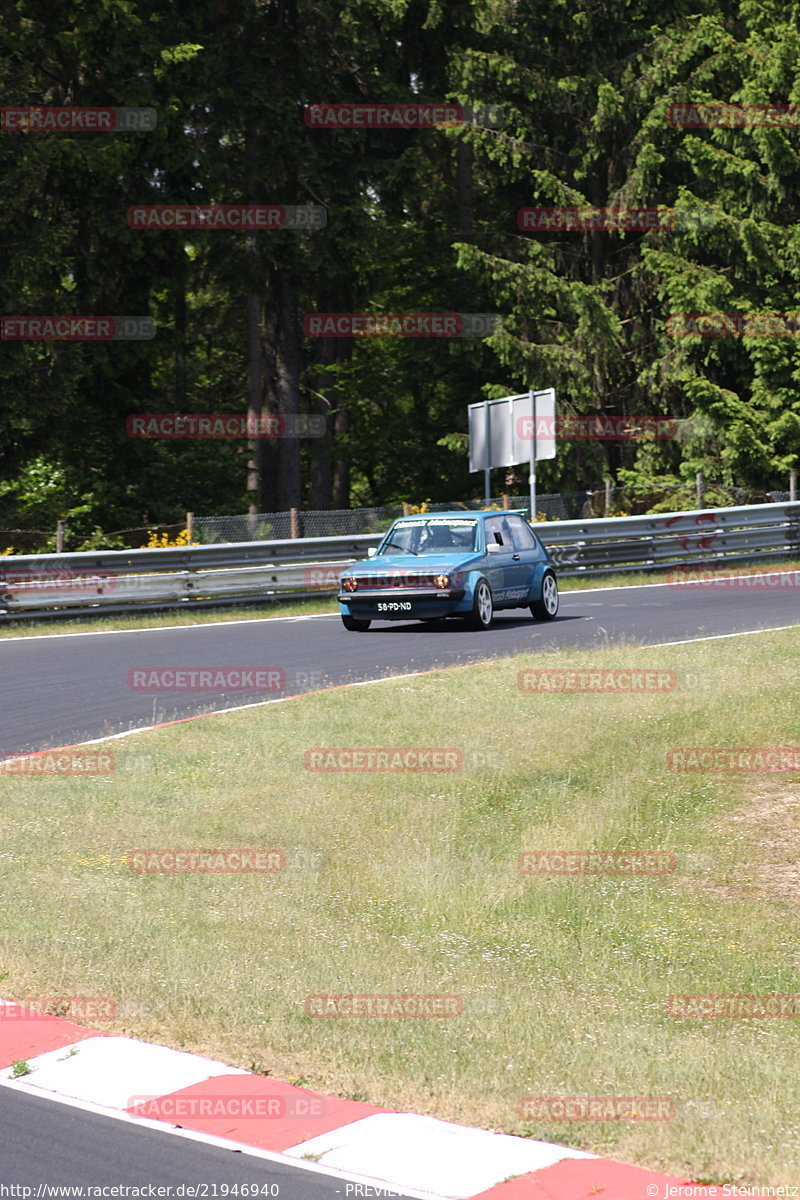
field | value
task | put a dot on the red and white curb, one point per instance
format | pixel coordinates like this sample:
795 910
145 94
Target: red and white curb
401 1152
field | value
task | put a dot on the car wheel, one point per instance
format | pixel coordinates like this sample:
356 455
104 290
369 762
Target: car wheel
546 608
355 625
482 607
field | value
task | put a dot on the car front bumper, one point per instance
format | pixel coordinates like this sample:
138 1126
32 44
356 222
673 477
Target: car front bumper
401 604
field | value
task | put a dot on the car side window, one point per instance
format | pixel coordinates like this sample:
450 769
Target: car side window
494 532
521 534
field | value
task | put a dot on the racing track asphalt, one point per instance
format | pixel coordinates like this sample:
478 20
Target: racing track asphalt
59 690
46 1144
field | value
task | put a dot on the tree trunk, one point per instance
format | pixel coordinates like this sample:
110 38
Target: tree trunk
288 387
255 389
326 475
340 491
255 362
270 447
180 342
464 175
320 474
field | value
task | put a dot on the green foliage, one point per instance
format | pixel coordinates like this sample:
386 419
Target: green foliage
417 221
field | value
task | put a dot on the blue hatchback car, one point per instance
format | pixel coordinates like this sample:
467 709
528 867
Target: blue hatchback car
453 564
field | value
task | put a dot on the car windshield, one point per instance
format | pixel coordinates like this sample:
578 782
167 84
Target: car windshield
431 535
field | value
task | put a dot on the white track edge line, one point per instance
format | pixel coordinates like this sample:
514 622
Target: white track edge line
221 712
715 637
36 637
622 587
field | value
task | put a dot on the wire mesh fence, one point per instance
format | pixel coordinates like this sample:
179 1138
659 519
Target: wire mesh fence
298 523
26 541
563 506
53 541
328 522
249 527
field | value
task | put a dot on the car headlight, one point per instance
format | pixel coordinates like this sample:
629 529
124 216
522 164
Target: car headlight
441 581
349 584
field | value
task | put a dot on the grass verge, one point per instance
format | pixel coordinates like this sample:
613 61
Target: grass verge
168 617
408 883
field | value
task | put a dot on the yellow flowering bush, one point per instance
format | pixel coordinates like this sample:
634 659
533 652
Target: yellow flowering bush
162 541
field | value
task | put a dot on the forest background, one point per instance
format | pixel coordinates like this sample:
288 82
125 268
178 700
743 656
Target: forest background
571 104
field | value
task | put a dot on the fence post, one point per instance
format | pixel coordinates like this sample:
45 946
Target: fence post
505 500
700 486
406 509
294 521
61 529
190 528
793 484
609 485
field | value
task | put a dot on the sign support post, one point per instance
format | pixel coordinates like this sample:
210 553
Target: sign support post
532 478
487 472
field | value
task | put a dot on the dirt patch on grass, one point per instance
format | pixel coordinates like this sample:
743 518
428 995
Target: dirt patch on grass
766 830
771 824
767 826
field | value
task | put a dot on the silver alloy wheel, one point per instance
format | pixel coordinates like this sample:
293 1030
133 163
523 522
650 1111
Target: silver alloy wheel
485 608
546 607
550 594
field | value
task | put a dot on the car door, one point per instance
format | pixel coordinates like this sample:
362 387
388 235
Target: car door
502 569
526 555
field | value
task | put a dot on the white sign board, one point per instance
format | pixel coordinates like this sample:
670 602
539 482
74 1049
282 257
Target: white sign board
543 417
511 430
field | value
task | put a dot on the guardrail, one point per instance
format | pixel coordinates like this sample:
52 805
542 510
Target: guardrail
662 540
111 581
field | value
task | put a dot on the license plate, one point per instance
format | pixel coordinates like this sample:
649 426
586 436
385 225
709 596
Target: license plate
394 606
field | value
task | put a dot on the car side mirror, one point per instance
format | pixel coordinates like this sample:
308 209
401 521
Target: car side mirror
493 548
372 551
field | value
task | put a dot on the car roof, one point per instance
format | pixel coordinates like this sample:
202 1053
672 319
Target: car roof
477 513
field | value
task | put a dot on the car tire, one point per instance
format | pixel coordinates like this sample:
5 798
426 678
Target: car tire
547 607
482 607
355 625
